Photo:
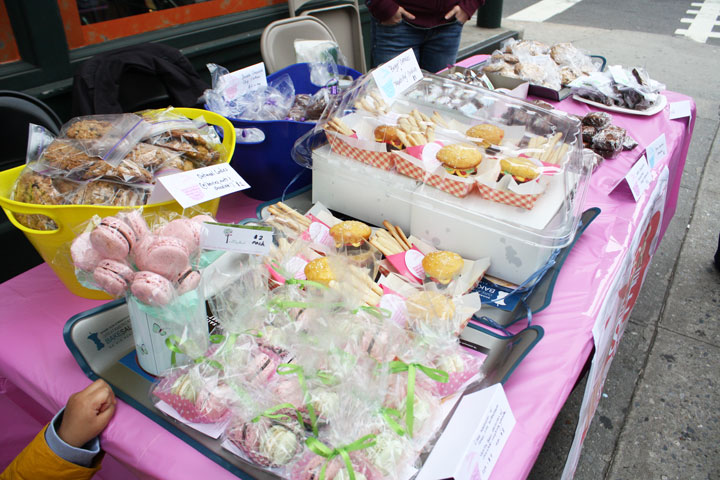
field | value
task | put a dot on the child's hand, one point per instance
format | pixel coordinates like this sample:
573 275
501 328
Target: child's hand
87 414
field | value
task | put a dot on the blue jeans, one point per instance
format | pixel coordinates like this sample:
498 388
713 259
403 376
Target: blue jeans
435 48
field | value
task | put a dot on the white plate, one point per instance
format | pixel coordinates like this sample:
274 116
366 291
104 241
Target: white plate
661 103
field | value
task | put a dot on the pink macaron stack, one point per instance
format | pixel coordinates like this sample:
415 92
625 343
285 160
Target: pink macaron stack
163 257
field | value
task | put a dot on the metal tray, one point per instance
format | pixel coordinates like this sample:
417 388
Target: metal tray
102 343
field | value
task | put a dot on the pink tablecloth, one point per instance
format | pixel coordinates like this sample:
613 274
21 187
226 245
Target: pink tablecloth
35 306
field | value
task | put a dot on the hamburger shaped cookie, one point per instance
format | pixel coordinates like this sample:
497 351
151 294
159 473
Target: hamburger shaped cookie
459 164
460 159
485 135
520 169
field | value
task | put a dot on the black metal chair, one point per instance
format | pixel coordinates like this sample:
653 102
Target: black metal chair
20 110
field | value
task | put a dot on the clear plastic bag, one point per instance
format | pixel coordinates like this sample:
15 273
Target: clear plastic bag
271 103
108 137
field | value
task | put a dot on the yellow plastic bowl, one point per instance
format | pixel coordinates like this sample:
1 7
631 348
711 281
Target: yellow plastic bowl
54 245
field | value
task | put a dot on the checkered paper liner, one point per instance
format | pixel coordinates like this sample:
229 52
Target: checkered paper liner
460 187
382 160
507 197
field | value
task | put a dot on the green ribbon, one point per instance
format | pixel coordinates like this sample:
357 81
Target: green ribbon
377 312
438 375
327 378
272 414
393 418
328 453
306 283
289 369
173 342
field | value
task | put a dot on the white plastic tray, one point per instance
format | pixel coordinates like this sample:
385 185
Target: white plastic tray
658 107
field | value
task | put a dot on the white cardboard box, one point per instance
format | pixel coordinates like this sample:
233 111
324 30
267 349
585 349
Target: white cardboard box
473 439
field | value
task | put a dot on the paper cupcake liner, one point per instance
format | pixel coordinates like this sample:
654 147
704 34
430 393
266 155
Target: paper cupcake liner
190 411
457 380
382 160
363 466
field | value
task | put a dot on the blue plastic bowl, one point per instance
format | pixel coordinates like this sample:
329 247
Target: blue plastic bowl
267 165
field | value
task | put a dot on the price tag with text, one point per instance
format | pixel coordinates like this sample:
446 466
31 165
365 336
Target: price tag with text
200 185
251 239
639 177
680 110
656 151
396 75
243 81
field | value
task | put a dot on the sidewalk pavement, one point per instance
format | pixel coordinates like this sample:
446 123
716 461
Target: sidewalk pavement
658 418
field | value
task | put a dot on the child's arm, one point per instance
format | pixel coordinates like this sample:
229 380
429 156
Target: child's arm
86 415
69 445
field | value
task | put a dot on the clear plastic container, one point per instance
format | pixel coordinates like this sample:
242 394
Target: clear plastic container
413 161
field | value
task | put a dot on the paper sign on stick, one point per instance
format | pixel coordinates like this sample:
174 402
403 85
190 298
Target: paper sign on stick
202 184
396 75
251 239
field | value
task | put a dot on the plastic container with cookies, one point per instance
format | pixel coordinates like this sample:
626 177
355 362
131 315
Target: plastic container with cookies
504 179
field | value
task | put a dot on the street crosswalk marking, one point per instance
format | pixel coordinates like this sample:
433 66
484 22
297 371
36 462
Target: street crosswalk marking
706 17
542 10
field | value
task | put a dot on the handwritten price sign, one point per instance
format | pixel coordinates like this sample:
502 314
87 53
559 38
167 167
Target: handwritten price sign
395 76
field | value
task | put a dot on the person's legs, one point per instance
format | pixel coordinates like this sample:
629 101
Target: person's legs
440 47
389 41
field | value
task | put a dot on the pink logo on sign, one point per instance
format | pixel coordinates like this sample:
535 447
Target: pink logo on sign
413 262
193 192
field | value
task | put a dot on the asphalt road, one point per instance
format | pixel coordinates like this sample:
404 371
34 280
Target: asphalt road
664 17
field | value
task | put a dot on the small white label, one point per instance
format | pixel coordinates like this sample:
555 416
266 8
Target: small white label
296 267
638 178
246 80
395 304
471 443
396 75
202 184
429 156
237 238
320 233
413 262
656 151
680 109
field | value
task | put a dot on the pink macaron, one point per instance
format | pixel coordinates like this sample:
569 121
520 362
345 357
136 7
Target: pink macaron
137 223
84 255
167 256
152 289
187 281
113 276
186 230
113 238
